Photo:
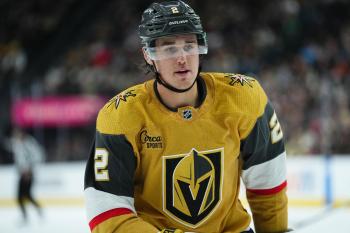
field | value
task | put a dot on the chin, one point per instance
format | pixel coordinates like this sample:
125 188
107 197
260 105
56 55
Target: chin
186 83
185 77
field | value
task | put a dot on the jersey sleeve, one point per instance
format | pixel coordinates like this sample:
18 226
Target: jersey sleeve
109 182
264 171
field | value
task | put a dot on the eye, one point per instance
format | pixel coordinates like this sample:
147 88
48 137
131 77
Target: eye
171 49
188 47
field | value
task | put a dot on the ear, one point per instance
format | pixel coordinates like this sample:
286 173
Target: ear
146 57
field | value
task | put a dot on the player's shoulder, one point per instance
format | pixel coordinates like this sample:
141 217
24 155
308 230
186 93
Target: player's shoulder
232 80
242 92
121 111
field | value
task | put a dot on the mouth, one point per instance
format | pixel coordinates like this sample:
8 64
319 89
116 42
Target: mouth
182 72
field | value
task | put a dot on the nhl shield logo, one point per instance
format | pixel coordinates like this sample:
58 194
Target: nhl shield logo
192 185
187 114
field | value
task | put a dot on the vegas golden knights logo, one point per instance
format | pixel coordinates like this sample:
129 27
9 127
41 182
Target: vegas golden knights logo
192 185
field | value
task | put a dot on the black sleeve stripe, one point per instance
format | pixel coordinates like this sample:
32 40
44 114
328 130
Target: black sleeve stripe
257 148
121 165
89 169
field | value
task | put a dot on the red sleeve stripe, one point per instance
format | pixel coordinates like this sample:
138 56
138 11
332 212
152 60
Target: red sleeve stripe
269 191
108 214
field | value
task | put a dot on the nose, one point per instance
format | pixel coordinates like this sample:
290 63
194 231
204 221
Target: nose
181 59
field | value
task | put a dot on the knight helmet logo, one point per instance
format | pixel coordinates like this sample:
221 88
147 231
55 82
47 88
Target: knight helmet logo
192 185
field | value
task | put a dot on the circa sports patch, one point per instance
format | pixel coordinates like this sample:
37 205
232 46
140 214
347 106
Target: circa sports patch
192 185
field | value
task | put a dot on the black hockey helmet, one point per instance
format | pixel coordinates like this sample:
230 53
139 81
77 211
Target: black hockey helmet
170 18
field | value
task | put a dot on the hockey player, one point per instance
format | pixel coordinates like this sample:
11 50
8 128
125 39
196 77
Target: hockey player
28 153
169 153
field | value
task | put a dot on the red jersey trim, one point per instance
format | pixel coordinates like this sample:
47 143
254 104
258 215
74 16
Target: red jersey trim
269 191
106 215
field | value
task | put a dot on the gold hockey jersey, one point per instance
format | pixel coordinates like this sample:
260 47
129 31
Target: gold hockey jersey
152 167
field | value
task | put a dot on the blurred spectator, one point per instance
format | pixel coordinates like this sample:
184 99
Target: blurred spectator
14 60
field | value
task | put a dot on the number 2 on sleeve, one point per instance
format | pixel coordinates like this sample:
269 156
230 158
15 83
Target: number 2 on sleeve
276 131
101 163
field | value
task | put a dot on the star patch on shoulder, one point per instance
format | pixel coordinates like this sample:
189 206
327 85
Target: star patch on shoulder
239 79
122 97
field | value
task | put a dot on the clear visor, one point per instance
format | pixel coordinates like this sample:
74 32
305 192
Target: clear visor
174 51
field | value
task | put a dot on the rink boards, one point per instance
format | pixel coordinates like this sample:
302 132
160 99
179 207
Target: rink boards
312 181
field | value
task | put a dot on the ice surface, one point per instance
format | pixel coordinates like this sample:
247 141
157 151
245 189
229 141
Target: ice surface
54 220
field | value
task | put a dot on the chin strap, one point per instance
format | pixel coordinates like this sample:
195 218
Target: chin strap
167 85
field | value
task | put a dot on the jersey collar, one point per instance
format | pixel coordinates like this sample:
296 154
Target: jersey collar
202 93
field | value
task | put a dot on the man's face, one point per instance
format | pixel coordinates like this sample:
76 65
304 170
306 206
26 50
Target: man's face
177 59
